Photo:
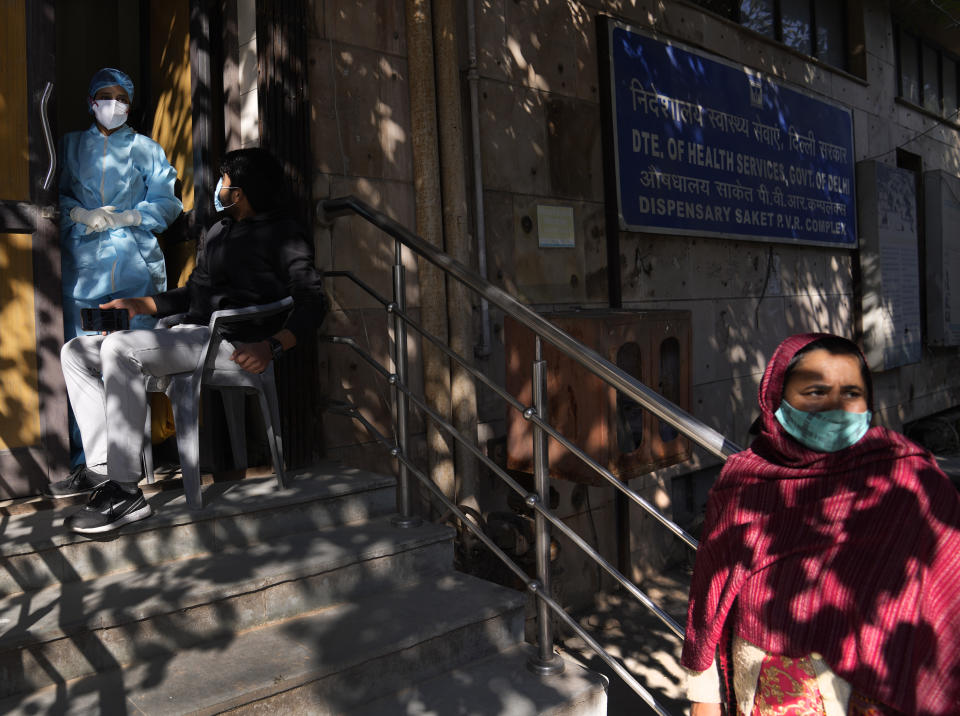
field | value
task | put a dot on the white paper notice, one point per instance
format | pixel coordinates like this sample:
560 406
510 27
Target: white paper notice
555 227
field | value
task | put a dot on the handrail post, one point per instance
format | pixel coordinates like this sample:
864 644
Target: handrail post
546 661
405 516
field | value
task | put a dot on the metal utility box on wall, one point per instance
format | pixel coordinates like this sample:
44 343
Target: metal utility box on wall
652 346
889 265
942 193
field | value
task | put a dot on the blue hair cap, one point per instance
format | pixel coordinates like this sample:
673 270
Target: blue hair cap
108 77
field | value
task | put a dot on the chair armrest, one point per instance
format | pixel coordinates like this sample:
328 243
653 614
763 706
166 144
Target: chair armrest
227 316
238 315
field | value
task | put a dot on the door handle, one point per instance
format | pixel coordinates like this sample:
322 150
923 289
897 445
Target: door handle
48 136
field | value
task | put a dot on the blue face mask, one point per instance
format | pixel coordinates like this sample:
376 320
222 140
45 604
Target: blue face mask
826 431
216 196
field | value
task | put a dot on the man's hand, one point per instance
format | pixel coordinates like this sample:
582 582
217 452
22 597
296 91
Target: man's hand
252 357
140 305
701 709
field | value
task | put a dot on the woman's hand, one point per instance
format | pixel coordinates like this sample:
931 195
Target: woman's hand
138 306
130 217
698 708
95 219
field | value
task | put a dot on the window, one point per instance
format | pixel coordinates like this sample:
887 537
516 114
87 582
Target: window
831 24
931 79
927 75
758 16
813 27
796 24
950 92
909 67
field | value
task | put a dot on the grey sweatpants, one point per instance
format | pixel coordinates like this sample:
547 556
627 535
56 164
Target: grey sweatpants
105 382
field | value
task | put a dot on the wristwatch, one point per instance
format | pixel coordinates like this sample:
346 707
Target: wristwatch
276 347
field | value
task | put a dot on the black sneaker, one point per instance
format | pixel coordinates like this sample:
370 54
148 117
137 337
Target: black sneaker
109 508
80 482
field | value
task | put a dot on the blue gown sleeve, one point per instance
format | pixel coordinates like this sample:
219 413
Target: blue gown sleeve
67 200
160 206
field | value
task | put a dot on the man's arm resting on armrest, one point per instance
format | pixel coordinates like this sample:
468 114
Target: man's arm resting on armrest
255 357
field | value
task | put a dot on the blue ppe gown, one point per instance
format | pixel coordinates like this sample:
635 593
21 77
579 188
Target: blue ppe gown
127 171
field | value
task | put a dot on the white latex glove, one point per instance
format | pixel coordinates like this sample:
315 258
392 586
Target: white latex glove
130 217
95 219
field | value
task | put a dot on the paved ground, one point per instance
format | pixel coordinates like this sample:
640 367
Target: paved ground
644 645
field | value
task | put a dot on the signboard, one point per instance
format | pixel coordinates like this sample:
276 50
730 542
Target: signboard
706 147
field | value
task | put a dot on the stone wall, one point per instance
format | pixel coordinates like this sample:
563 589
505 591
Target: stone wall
361 144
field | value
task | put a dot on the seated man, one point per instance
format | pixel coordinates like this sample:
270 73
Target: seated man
255 255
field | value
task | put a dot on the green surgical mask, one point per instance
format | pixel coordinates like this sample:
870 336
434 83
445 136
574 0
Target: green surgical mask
826 431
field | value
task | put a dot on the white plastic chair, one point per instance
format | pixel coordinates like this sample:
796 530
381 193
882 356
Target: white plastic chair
183 390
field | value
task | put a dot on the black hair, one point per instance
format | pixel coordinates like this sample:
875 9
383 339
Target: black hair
834 345
260 176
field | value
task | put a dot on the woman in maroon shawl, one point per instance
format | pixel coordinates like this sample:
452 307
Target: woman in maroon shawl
828 575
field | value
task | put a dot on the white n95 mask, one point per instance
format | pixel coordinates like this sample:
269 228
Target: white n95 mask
110 113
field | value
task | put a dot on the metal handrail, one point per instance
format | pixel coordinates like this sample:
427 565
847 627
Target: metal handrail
696 430
531 499
546 660
534 586
527 413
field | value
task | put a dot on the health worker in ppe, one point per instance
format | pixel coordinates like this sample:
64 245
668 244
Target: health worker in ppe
116 193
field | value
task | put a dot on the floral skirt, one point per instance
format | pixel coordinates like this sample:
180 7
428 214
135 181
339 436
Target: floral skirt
788 687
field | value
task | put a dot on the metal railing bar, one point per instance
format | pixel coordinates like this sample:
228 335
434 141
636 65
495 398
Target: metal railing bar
612 479
516 404
354 413
360 282
364 353
432 339
450 505
368 357
619 668
462 361
455 434
635 591
519 489
532 585
696 430
555 434
533 501
447 502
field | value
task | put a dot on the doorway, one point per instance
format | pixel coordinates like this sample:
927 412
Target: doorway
49 49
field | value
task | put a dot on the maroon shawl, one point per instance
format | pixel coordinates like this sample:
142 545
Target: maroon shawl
854 555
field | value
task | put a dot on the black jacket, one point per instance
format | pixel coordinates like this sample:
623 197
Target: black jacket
241 263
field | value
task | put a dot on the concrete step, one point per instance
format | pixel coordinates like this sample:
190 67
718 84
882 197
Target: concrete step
70 630
498 685
324 662
36 552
